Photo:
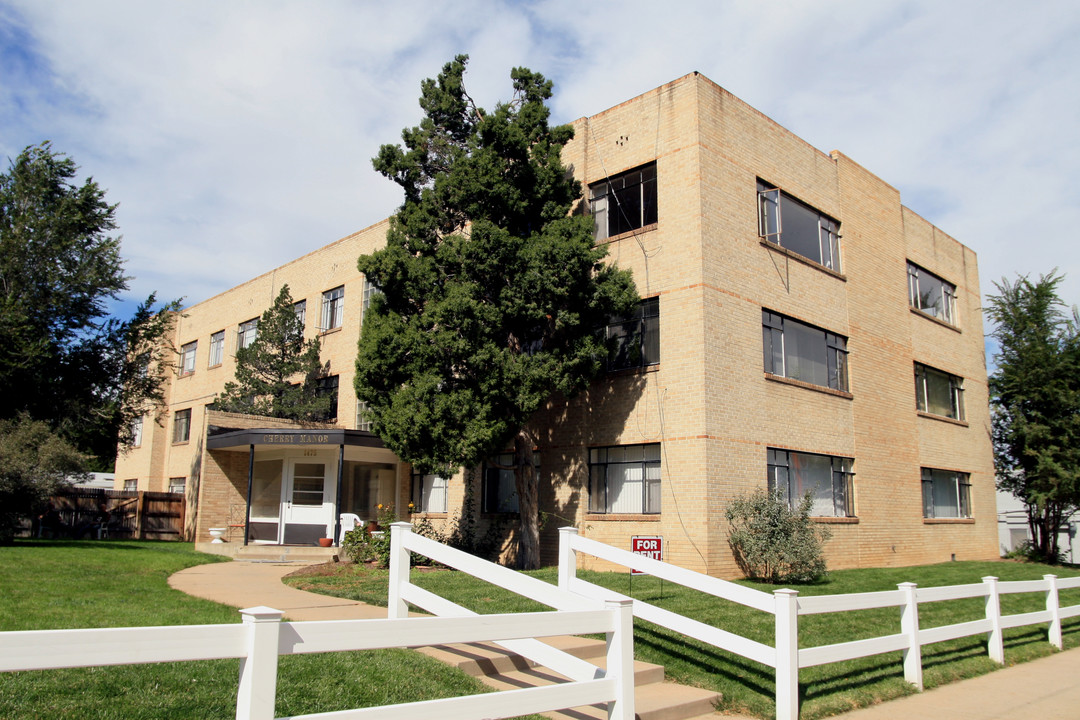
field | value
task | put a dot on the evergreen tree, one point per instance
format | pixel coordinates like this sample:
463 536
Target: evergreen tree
492 288
278 374
63 361
1035 397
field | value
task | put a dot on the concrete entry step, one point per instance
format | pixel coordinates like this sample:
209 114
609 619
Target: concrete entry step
285 553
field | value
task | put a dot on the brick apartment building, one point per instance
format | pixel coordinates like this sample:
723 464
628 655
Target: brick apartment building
799 328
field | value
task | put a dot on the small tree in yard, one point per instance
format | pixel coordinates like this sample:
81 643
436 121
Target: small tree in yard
492 290
1035 397
278 374
774 543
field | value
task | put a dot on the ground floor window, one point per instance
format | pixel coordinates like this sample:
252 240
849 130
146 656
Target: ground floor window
946 494
131 485
177 484
429 493
499 487
624 479
826 478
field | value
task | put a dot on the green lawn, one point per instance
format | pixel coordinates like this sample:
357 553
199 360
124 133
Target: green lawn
48 584
748 687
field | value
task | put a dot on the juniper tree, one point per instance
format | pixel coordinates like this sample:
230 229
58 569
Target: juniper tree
278 374
492 286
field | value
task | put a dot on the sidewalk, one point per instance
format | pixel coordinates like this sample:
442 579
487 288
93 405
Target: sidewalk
1047 689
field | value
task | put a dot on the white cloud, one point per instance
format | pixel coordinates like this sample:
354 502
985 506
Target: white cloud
237 136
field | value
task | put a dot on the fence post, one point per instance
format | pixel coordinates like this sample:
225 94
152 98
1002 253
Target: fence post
140 509
787 654
1053 606
995 642
567 557
909 626
620 659
399 570
258 670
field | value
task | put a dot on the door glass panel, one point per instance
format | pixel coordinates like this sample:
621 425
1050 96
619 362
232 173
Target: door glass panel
266 489
308 481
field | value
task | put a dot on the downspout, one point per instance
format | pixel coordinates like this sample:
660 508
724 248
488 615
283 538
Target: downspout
247 509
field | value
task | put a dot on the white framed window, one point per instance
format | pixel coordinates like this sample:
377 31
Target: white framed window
625 479
300 308
333 308
217 348
499 489
624 202
182 426
136 432
803 352
930 294
828 479
946 494
177 484
362 420
429 493
246 333
131 485
637 337
939 393
370 291
792 224
187 358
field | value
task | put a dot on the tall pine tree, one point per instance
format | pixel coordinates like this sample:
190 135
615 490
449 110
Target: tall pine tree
492 286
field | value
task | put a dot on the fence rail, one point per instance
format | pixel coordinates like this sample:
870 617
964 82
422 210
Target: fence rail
97 513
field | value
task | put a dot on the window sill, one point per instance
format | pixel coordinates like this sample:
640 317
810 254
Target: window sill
211 367
639 370
826 520
802 258
628 234
182 442
809 386
430 515
931 318
181 376
941 418
331 331
948 521
622 517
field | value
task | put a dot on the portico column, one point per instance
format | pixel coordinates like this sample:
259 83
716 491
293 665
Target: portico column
337 496
251 476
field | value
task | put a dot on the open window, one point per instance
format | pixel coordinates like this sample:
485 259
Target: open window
792 224
624 202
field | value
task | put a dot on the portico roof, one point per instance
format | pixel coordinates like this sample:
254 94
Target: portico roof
220 438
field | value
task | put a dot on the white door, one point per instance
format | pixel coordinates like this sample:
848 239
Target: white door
304 497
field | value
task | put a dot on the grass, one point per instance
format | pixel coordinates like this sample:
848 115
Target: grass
70 584
746 686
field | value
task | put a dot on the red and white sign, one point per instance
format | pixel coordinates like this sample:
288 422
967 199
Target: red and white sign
651 546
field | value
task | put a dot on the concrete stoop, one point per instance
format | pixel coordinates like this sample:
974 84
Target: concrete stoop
654 699
285 553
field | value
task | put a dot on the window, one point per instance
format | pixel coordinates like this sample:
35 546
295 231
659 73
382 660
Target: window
362 421
333 307
329 386
637 337
136 432
499 488
181 426
625 479
939 393
946 494
217 348
308 482
300 308
624 202
930 294
794 225
429 493
828 479
187 358
246 335
370 291
177 484
131 485
803 352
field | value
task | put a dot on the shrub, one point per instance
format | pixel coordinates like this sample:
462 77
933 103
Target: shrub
775 543
361 546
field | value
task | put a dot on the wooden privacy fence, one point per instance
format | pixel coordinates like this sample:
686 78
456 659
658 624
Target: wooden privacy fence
785 656
98 513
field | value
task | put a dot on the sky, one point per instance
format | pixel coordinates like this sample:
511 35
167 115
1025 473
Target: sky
236 135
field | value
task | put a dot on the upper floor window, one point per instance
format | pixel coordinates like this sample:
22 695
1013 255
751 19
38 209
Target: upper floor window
624 479
939 393
246 334
826 478
946 494
300 308
217 348
136 431
930 294
329 386
429 493
794 225
803 352
187 358
181 426
624 202
333 308
637 337
363 421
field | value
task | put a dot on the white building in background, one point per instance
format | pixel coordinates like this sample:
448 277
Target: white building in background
1013 528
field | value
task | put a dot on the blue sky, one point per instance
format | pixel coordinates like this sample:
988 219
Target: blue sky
238 135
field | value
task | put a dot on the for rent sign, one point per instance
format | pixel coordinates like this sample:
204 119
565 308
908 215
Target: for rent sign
648 545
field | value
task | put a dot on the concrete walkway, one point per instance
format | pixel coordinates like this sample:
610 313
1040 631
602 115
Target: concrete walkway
1048 688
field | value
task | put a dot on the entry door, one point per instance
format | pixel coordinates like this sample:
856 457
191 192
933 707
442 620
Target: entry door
304 494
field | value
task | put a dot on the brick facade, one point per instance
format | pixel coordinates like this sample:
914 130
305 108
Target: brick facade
708 403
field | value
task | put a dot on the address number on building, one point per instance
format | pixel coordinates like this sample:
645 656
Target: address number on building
651 546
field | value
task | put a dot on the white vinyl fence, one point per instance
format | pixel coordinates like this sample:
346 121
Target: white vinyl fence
785 656
262 637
